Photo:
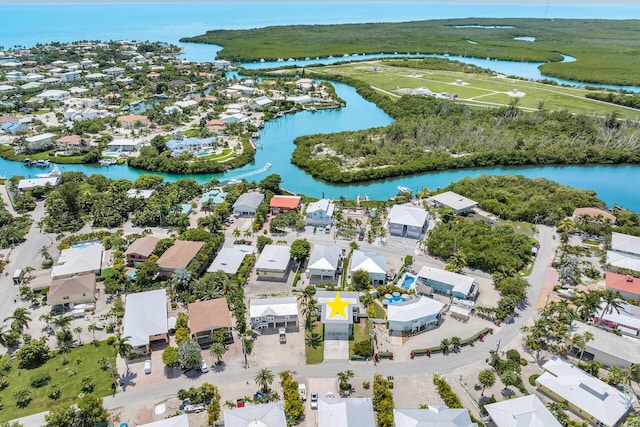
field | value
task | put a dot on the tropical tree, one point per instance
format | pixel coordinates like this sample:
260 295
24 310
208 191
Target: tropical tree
587 304
92 328
308 305
300 249
247 233
612 302
190 355
457 262
455 342
344 377
19 319
444 345
565 227
123 348
631 374
218 350
263 379
236 232
360 280
62 322
181 279
510 378
486 378
171 357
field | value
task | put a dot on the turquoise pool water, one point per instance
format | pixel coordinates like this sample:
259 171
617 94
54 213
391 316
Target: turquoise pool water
111 154
393 300
203 154
408 282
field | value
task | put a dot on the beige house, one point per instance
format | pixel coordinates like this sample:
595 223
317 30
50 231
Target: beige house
132 121
75 289
177 256
208 316
140 250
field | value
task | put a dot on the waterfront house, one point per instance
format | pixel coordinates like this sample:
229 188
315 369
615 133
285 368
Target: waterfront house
146 320
260 102
320 213
80 289
13 128
594 216
337 312
247 204
140 250
186 105
28 184
222 64
525 411
304 84
324 263
208 316
273 313
449 283
178 256
82 259
124 145
624 253
264 415
191 145
586 396
215 196
607 347
245 90
454 201
132 121
354 411
625 285
414 315
274 263
407 221
372 262
70 143
436 416
300 99
284 203
40 140
229 260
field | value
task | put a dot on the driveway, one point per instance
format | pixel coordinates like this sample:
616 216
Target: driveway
267 350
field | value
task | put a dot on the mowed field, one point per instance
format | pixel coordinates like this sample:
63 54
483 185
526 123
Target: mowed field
482 90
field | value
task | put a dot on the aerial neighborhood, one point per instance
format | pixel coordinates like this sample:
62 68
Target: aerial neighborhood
170 301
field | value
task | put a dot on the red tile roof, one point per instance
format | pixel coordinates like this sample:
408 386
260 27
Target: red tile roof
623 283
285 202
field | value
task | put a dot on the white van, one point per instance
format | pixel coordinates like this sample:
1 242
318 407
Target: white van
147 366
18 276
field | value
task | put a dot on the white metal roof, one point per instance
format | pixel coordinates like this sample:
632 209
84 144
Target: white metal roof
323 205
589 394
435 415
324 257
525 411
145 315
623 260
228 260
179 421
25 184
622 347
352 412
459 282
408 215
369 261
625 243
414 309
78 260
264 415
251 199
454 200
281 306
274 257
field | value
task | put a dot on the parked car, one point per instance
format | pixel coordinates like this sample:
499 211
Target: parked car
314 400
302 390
329 395
203 367
147 366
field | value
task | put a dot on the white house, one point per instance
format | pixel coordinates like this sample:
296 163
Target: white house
521 412
243 89
320 213
407 221
145 319
39 140
353 412
299 99
229 260
324 262
178 421
459 204
260 102
337 312
191 145
372 262
247 204
273 263
449 283
414 315
434 415
273 313
70 76
264 415
607 347
585 395
124 145
113 71
624 253
221 64
185 105
54 95
626 320
28 184
78 260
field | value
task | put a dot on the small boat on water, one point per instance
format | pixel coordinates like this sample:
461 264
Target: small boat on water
52 174
403 189
255 135
28 162
267 166
43 163
279 114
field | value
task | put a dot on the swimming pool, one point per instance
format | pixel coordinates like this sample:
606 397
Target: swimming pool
111 154
393 300
85 244
203 154
407 282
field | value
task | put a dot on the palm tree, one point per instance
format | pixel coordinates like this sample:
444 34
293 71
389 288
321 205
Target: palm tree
263 379
455 342
217 350
248 233
565 226
123 348
612 302
61 322
47 318
486 378
308 305
631 375
587 304
510 378
313 340
344 378
236 232
207 206
92 328
77 330
444 345
19 319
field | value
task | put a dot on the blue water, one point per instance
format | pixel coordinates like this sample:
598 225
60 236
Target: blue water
393 300
33 23
407 282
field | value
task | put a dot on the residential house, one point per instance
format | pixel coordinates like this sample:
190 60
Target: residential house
264 415
449 283
124 145
235 118
113 71
54 95
6 88
186 105
139 193
5 119
191 145
626 319
146 320
414 315
624 253
607 347
13 128
215 197
594 216
245 90
208 316
69 143
372 262
140 250
247 204
304 84
69 76
95 76
37 85
229 260
434 416
525 411
82 114
216 125
177 257
355 411
72 290
324 263
407 221
337 312
14 75
284 203
33 77
585 395
459 204
300 99
260 102
78 91
81 259
274 263
320 213
177 421
28 184
40 140
273 313
222 64
625 285
132 121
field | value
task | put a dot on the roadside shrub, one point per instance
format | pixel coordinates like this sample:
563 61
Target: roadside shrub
54 391
111 340
23 397
532 379
40 379
363 348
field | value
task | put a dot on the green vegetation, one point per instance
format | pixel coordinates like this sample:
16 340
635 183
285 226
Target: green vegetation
360 341
293 405
314 344
383 401
12 230
605 49
65 383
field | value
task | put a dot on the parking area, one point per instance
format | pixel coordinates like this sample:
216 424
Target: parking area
321 386
267 350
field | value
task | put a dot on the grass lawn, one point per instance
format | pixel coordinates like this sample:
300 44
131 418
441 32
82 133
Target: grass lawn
226 154
68 377
361 332
314 355
380 311
104 274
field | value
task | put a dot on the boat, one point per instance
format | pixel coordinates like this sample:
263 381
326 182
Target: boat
267 166
279 114
403 189
233 181
313 109
255 135
52 174
43 163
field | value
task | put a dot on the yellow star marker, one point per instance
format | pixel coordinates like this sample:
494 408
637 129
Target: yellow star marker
338 307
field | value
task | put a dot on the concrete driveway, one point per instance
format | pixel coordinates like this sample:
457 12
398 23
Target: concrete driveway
320 386
267 350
